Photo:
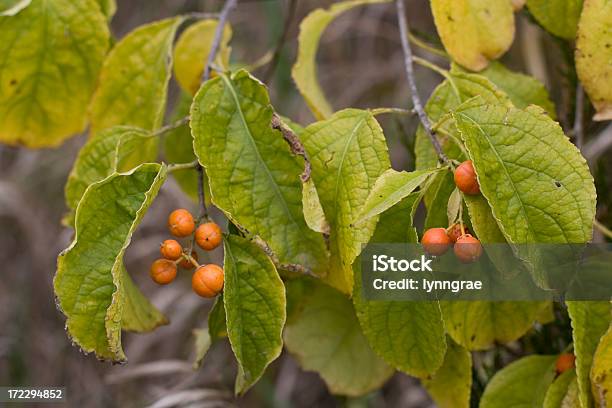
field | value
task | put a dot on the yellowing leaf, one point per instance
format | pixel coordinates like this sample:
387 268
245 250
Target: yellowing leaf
450 386
560 17
254 299
522 383
191 52
52 52
120 148
253 176
91 285
601 371
325 337
407 335
594 55
348 153
134 79
590 321
474 31
304 71
557 391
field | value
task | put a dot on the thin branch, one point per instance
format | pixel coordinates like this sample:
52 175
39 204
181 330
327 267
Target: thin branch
202 16
294 144
603 229
427 47
183 166
214 49
281 41
168 128
227 7
578 117
416 100
598 145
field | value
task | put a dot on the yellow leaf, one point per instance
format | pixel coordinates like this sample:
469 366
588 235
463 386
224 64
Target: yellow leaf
193 48
474 31
304 71
594 55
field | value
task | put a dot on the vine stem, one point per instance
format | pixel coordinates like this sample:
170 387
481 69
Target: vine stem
281 41
416 100
168 128
603 229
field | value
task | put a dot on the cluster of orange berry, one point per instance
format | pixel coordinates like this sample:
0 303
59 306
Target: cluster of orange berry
207 280
437 241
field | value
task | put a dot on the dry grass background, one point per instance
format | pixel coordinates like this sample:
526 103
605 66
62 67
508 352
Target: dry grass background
361 65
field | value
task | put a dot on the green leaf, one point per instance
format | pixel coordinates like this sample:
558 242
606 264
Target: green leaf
559 17
191 52
120 148
52 52
454 206
254 299
536 181
474 31
523 90
590 321
601 371
12 7
253 176
134 80
477 325
139 315
109 7
178 148
202 345
217 329
407 335
437 195
325 337
217 326
521 384
593 55
348 153
90 283
450 386
390 188
313 212
304 71
559 389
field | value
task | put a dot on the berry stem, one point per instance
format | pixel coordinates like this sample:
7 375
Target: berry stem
416 100
603 229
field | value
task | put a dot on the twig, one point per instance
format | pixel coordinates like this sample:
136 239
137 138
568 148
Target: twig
578 117
294 144
598 145
227 7
416 100
183 166
422 44
281 41
603 229
168 128
202 16
214 49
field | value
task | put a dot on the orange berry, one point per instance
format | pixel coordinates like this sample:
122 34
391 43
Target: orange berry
163 271
186 263
435 241
565 362
454 232
207 281
467 248
208 236
180 223
171 249
465 178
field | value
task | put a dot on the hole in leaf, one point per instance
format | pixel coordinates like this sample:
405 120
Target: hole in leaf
557 183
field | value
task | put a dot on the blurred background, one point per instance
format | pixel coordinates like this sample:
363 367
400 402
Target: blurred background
361 65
